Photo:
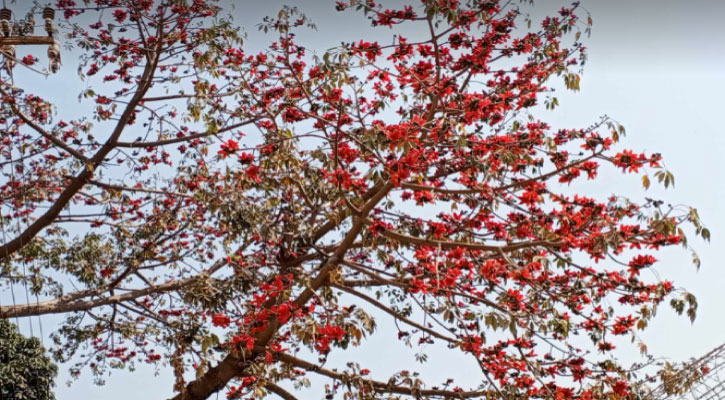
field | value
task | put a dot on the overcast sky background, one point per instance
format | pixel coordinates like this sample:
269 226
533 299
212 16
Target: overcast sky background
657 67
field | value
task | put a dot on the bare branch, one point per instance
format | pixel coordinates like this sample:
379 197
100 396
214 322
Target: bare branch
381 387
393 313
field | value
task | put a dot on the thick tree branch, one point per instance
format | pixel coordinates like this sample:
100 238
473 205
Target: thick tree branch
381 387
279 391
64 304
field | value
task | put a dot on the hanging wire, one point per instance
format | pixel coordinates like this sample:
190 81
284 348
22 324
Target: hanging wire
37 302
27 297
7 255
12 172
12 293
23 176
19 229
22 202
2 226
703 386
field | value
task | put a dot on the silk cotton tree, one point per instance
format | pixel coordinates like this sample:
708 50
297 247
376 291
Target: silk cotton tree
237 215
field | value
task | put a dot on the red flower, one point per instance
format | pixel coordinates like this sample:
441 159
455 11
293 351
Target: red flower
228 147
252 173
623 325
422 197
120 15
620 388
246 158
247 340
221 320
629 161
369 49
641 261
327 334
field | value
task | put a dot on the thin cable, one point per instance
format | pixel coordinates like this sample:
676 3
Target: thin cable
12 291
17 220
27 297
37 301
2 226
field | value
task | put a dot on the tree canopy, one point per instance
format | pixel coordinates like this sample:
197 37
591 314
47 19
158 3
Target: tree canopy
26 372
238 215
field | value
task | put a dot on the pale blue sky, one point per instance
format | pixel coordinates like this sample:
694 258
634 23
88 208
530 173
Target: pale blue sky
658 67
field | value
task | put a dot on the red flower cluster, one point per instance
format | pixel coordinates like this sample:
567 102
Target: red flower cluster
326 335
221 320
